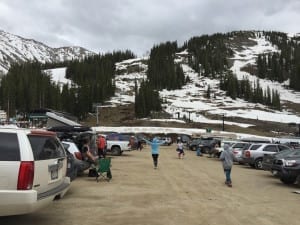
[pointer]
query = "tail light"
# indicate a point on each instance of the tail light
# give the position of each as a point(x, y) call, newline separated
point(26, 174)
point(247, 154)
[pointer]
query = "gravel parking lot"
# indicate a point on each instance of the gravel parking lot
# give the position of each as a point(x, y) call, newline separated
point(180, 191)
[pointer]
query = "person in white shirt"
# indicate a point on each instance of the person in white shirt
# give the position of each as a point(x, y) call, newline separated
point(180, 149)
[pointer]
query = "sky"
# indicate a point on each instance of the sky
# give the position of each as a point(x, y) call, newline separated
point(108, 25)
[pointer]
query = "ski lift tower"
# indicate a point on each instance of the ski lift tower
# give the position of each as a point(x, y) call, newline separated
point(97, 106)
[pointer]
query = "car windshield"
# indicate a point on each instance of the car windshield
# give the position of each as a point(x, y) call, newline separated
point(284, 153)
point(293, 153)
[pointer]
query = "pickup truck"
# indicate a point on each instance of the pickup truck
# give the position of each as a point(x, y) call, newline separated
point(117, 143)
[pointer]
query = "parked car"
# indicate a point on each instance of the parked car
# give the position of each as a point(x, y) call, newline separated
point(218, 150)
point(33, 165)
point(186, 139)
point(194, 144)
point(117, 143)
point(269, 159)
point(77, 134)
point(72, 168)
point(290, 168)
point(278, 162)
point(255, 153)
point(207, 144)
point(166, 140)
point(237, 150)
point(76, 167)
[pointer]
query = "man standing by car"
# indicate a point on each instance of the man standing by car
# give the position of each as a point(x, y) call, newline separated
point(227, 158)
point(101, 146)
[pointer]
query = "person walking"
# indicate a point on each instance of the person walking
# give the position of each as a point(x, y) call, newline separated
point(180, 150)
point(227, 158)
point(154, 149)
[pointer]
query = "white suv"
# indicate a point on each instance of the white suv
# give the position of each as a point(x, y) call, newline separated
point(33, 167)
point(253, 154)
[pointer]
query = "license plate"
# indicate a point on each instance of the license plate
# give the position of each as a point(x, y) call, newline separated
point(54, 174)
point(274, 172)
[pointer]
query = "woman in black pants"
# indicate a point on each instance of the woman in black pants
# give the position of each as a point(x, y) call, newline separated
point(154, 150)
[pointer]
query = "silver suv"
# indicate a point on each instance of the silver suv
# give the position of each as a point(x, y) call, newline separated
point(253, 155)
point(33, 167)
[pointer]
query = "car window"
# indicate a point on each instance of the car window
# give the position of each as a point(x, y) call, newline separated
point(9, 147)
point(247, 145)
point(66, 146)
point(254, 147)
point(270, 148)
point(45, 147)
point(283, 147)
point(113, 136)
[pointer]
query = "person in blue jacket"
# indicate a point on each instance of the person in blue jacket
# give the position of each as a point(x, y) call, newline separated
point(154, 150)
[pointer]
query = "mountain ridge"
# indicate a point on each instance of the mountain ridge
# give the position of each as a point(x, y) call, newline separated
point(16, 49)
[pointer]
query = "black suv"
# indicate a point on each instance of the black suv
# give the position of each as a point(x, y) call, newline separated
point(193, 145)
point(288, 168)
point(205, 144)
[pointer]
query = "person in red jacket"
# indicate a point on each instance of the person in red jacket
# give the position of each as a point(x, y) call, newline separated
point(101, 146)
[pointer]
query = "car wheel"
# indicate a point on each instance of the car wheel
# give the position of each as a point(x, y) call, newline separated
point(288, 180)
point(115, 150)
point(258, 164)
point(193, 148)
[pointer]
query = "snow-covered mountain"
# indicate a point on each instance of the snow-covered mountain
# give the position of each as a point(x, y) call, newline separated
point(14, 48)
point(191, 102)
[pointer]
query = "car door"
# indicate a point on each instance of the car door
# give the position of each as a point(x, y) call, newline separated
point(50, 163)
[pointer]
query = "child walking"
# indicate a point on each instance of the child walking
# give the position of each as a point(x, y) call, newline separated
point(227, 158)
point(180, 150)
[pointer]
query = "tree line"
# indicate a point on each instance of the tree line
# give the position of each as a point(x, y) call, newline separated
point(208, 54)
point(244, 89)
point(26, 86)
point(284, 64)
point(162, 73)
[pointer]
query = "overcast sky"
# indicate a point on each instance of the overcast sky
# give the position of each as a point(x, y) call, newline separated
point(107, 25)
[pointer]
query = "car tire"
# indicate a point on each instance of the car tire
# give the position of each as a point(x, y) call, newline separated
point(258, 164)
point(116, 150)
point(288, 180)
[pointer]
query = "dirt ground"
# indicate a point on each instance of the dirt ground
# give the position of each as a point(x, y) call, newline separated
point(181, 191)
